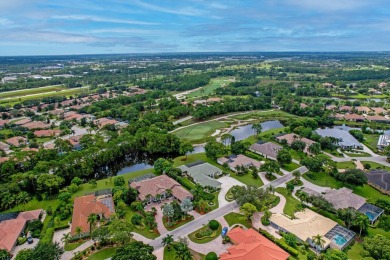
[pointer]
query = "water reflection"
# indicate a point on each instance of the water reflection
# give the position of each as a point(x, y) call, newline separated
point(244, 132)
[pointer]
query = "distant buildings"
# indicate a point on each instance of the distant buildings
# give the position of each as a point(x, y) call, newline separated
point(383, 141)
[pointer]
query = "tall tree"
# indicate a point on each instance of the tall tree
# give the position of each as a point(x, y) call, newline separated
point(167, 241)
point(135, 250)
point(257, 128)
point(318, 242)
point(185, 148)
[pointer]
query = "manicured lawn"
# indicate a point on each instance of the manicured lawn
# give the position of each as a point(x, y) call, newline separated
point(345, 165)
point(144, 232)
point(291, 166)
point(297, 155)
point(206, 239)
point(334, 153)
point(363, 154)
point(24, 92)
point(103, 254)
point(354, 252)
point(181, 223)
point(291, 202)
point(248, 179)
point(236, 218)
point(171, 254)
point(198, 133)
point(371, 141)
point(208, 89)
point(72, 246)
point(324, 180)
point(375, 165)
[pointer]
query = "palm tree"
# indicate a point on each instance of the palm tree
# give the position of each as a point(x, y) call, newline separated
point(167, 241)
point(362, 221)
point(66, 238)
point(271, 189)
point(92, 218)
point(78, 231)
point(318, 242)
point(183, 252)
point(303, 197)
point(297, 176)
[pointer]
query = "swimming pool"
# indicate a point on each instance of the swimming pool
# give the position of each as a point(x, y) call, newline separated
point(339, 240)
point(370, 215)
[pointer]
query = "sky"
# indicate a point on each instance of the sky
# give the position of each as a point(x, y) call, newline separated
point(43, 27)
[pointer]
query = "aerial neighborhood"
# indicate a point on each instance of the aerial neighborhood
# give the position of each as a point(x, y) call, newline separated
point(214, 156)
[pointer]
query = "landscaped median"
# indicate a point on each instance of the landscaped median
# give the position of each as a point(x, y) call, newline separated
point(206, 233)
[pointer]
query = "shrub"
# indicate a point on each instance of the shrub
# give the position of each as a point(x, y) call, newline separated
point(213, 224)
point(22, 240)
point(48, 237)
point(211, 256)
point(61, 227)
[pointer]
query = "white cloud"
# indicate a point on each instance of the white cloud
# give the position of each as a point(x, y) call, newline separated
point(331, 5)
point(100, 19)
point(188, 11)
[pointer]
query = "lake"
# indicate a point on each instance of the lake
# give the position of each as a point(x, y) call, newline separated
point(246, 131)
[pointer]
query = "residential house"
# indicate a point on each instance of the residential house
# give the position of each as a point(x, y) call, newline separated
point(347, 141)
point(250, 245)
point(290, 138)
point(75, 141)
point(202, 173)
point(3, 123)
point(16, 141)
point(268, 150)
point(354, 117)
point(363, 109)
point(331, 107)
point(13, 227)
point(345, 109)
point(383, 141)
point(379, 119)
point(379, 110)
point(84, 206)
point(47, 133)
point(239, 160)
point(5, 147)
point(101, 122)
point(155, 189)
point(307, 224)
point(379, 179)
point(36, 125)
point(22, 121)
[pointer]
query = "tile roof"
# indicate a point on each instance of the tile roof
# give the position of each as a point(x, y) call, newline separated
point(158, 185)
point(15, 141)
point(305, 225)
point(4, 146)
point(85, 206)
point(344, 198)
point(380, 178)
point(203, 173)
point(241, 160)
point(41, 133)
point(2, 122)
point(269, 149)
point(23, 121)
point(346, 138)
point(36, 125)
point(354, 117)
point(250, 245)
point(11, 229)
point(294, 137)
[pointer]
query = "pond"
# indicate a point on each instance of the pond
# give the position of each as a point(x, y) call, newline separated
point(246, 131)
point(346, 128)
point(198, 149)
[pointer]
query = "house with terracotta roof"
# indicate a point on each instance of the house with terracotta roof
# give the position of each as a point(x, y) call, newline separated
point(354, 117)
point(250, 245)
point(331, 107)
point(379, 110)
point(16, 141)
point(2, 123)
point(101, 122)
point(11, 229)
point(363, 109)
point(3, 159)
point(83, 207)
point(290, 138)
point(36, 125)
point(47, 133)
point(4, 147)
point(239, 160)
point(345, 108)
point(75, 141)
point(22, 121)
point(380, 119)
point(155, 189)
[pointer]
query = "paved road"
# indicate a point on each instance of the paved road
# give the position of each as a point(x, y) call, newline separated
point(203, 220)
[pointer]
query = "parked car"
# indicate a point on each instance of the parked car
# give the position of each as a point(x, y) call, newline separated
point(30, 240)
point(224, 231)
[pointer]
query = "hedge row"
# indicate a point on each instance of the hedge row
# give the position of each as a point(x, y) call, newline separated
point(48, 236)
point(292, 251)
point(61, 227)
point(184, 184)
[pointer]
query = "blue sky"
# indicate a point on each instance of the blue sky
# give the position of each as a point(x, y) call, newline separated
point(36, 27)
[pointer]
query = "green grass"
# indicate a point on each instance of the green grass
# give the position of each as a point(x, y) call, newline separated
point(198, 133)
point(291, 202)
point(236, 218)
point(296, 155)
point(103, 254)
point(346, 165)
point(72, 246)
point(375, 165)
point(371, 141)
point(144, 232)
point(181, 223)
point(31, 91)
point(248, 179)
point(291, 166)
point(354, 251)
point(171, 254)
point(208, 89)
point(265, 113)
point(363, 154)
point(206, 239)
point(334, 153)
point(324, 180)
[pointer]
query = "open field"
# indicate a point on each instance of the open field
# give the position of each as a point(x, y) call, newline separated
point(65, 92)
point(30, 91)
point(198, 133)
point(208, 89)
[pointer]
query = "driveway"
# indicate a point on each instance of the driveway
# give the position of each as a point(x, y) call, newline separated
point(312, 186)
point(227, 183)
point(59, 234)
point(279, 208)
point(26, 245)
